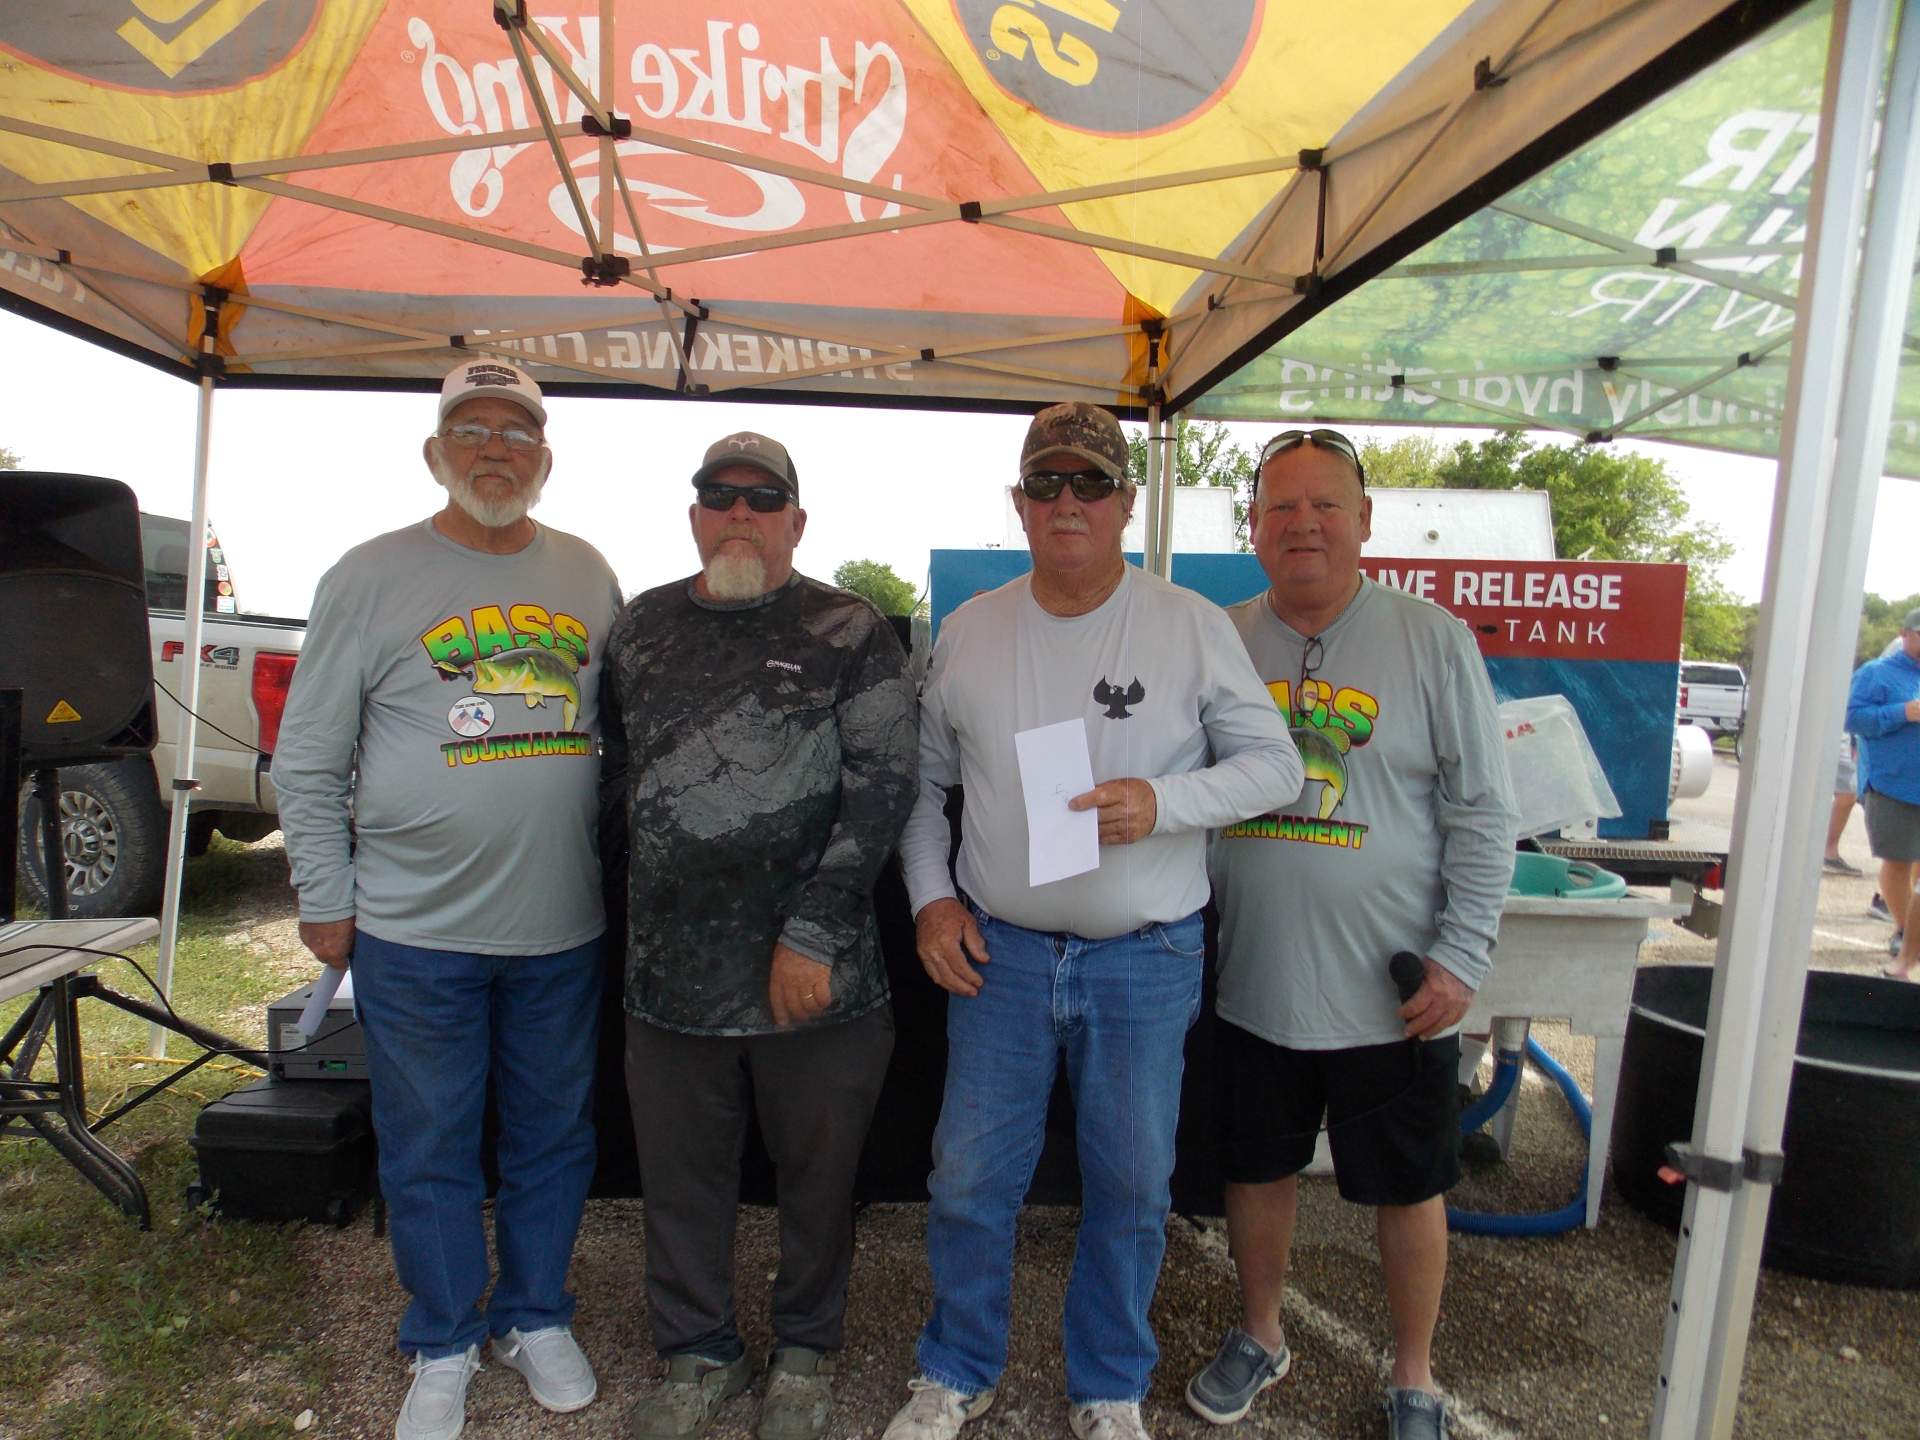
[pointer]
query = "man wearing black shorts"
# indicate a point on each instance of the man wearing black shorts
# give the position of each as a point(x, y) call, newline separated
point(1403, 842)
point(1883, 709)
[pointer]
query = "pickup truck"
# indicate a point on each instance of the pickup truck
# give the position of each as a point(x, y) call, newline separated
point(1713, 696)
point(113, 817)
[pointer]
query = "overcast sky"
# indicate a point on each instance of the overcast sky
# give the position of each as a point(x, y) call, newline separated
point(297, 477)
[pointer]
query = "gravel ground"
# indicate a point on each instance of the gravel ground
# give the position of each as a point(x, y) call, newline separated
point(1549, 1337)
point(1544, 1337)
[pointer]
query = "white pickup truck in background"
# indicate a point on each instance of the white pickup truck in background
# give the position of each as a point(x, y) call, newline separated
point(113, 818)
point(1713, 696)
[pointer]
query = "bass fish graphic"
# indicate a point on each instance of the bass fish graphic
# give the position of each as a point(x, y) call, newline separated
point(1324, 754)
point(533, 671)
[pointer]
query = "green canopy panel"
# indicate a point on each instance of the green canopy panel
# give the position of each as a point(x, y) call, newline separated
point(1645, 286)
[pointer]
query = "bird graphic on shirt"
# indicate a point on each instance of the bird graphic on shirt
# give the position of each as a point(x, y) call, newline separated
point(1117, 700)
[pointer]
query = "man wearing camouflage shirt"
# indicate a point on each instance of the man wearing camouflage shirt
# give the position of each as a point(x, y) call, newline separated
point(765, 736)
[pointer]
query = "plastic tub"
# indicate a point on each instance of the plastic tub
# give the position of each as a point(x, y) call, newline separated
point(1549, 876)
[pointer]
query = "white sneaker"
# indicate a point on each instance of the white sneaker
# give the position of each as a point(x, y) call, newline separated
point(935, 1412)
point(436, 1405)
point(557, 1373)
point(1107, 1420)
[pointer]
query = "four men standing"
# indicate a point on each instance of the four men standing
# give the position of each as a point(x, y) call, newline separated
point(760, 731)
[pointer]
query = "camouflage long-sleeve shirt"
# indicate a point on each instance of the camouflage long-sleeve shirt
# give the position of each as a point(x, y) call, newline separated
point(768, 753)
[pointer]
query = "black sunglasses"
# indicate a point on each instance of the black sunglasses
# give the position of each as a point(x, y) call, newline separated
point(1331, 439)
point(1310, 659)
point(767, 499)
point(1087, 485)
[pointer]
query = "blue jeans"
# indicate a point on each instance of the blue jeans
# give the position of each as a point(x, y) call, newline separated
point(438, 1024)
point(1117, 1011)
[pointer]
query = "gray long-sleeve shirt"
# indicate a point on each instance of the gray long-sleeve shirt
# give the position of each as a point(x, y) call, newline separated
point(1168, 696)
point(444, 714)
point(768, 751)
point(1402, 840)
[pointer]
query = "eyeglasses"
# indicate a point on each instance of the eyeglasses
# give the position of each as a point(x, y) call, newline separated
point(1331, 439)
point(1310, 659)
point(766, 499)
point(472, 437)
point(1088, 485)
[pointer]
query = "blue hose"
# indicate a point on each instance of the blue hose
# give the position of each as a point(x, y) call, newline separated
point(1547, 1222)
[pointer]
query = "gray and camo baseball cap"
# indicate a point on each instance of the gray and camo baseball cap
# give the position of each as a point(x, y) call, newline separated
point(1076, 428)
point(745, 447)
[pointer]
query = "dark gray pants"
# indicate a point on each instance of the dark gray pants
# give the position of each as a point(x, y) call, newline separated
point(814, 1091)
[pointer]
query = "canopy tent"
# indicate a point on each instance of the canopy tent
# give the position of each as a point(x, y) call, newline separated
point(969, 202)
point(957, 202)
point(1645, 286)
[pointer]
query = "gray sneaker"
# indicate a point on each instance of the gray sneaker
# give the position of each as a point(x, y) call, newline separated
point(799, 1394)
point(557, 1373)
point(1225, 1390)
point(1107, 1420)
point(1415, 1415)
point(436, 1403)
point(687, 1400)
point(935, 1412)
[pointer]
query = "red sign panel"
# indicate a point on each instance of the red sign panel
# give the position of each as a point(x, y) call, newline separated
point(1552, 609)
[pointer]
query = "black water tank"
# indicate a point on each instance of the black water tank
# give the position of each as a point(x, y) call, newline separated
point(1848, 1204)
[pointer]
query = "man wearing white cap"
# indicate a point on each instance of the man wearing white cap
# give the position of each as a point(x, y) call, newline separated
point(437, 772)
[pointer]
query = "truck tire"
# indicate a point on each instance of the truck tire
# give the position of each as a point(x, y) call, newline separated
point(115, 835)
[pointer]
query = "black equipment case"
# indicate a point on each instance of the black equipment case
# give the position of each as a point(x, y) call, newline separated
point(287, 1151)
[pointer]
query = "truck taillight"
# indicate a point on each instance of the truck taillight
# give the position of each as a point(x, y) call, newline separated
point(1683, 697)
point(272, 673)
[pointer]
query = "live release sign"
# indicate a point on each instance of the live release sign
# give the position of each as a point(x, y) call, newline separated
point(1552, 609)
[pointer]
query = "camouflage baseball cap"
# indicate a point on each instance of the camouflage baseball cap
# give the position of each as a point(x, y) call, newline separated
point(745, 447)
point(1076, 428)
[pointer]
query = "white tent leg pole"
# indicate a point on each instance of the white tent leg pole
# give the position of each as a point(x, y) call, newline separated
point(1768, 923)
point(1150, 532)
point(1169, 477)
point(189, 703)
point(1867, 391)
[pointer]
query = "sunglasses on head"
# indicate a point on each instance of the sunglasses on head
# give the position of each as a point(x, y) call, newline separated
point(1087, 485)
point(1331, 439)
point(767, 499)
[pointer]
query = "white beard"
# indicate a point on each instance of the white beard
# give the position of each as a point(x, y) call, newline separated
point(734, 575)
point(508, 510)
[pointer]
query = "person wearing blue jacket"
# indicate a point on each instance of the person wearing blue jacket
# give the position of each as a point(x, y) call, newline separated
point(1883, 709)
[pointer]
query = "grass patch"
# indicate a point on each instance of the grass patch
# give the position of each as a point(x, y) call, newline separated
point(185, 1330)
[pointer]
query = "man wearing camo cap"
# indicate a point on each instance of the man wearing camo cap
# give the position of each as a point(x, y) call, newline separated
point(764, 723)
point(1099, 970)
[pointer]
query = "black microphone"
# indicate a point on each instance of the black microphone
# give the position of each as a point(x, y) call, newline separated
point(1409, 973)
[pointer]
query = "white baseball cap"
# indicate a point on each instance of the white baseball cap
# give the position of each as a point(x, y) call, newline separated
point(485, 375)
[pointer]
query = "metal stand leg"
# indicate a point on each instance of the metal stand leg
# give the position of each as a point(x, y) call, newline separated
point(111, 1175)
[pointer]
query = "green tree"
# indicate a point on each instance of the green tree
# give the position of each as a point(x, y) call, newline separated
point(1607, 505)
point(8, 460)
point(875, 581)
point(1203, 454)
point(1879, 623)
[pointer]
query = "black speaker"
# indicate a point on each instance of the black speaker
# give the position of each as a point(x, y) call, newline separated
point(73, 609)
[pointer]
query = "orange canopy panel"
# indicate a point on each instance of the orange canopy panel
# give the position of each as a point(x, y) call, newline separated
point(944, 201)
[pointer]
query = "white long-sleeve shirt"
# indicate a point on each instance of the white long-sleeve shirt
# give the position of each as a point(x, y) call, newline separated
point(1203, 732)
